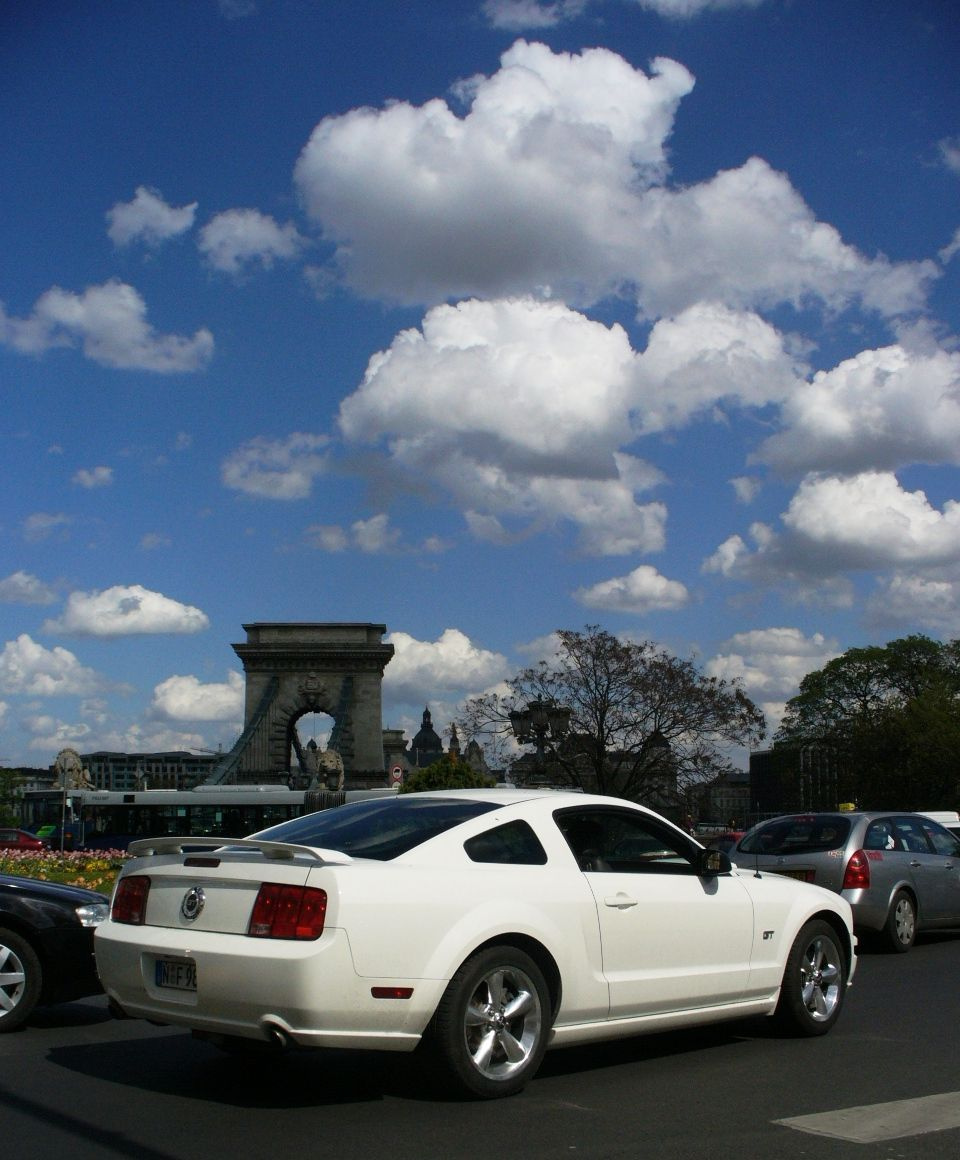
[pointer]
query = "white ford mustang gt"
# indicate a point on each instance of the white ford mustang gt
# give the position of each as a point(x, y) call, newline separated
point(489, 924)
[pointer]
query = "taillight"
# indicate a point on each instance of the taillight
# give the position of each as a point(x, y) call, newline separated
point(130, 900)
point(288, 912)
point(857, 874)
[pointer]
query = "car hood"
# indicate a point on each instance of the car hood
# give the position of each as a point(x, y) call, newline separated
point(36, 888)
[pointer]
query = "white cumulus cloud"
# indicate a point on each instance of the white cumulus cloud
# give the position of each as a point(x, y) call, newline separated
point(881, 409)
point(836, 524)
point(520, 15)
point(708, 357)
point(771, 663)
point(536, 185)
point(869, 520)
point(421, 669)
point(906, 599)
point(451, 403)
point(640, 591)
point(148, 218)
point(242, 237)
point(556, 176)
point(93, 477)
point(281, 469)
point(126, 610)
point(22, 588)
point(186, 698)
point(30, 669)
point(110, 323)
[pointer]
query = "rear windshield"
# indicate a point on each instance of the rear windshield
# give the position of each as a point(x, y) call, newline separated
point(797, 835)
point(384, 828)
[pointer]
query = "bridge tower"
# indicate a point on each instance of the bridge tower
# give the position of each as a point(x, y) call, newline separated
point(298, 668)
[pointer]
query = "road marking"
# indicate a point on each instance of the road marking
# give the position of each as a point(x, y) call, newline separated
point(874, 1122)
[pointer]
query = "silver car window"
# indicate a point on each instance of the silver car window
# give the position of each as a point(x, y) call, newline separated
point(798, 834)
point(912, 835)
point(881, 836)
point(942, 841)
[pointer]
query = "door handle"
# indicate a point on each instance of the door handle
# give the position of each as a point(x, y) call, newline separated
point(620, 901)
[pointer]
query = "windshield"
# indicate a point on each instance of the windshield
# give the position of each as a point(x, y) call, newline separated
point(384, 828)
point(807, 834)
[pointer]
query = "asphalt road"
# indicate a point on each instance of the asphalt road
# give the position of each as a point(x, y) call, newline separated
point(76, 1084)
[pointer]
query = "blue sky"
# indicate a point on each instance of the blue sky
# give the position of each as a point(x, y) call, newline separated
point(478, 320)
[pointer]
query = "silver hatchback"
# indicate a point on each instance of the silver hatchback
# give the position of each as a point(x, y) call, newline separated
point(900, 872)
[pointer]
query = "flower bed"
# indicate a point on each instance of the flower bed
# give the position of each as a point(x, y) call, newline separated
point(93, 869)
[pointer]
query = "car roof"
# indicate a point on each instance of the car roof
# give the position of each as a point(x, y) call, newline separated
point(516, 795)
point(867, 815)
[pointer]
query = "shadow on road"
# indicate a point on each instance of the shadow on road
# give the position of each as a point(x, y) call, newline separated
point(175, 1064)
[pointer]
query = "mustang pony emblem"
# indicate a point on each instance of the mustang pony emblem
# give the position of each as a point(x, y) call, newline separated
point(193, 902)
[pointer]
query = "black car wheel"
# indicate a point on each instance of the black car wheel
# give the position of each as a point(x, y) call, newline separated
point(21, 979)
point(490, 1029)
point(814, 981)
point(901, 928)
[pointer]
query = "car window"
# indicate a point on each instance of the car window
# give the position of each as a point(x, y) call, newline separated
point(942, 841)
point(380, 829)
point(514, 843)
point(880, 836)
point(621, 841)
point(799, 834)
point(910, 831)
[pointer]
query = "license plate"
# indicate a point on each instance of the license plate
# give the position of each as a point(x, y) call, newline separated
point(176, 974)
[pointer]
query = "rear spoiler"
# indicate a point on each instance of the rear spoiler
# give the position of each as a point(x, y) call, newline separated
point(143, 847)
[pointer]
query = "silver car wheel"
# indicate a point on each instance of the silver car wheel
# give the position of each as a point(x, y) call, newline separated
point(21, 980)
point(901, 925)
point(502, 1023)
point(490, 1029)
point(814, 981)
point(13, 980)
point(821, 978)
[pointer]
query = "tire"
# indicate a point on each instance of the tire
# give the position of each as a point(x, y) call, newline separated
point(900, 930)
point(814, 981)
point(490, 1029)
point(21, 980)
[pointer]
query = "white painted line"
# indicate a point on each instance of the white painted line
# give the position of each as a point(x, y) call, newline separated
point(874, 1122)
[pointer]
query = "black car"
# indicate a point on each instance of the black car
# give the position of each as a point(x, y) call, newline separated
point(46, 945)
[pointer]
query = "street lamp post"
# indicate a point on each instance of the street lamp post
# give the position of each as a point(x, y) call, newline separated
point(538, 721)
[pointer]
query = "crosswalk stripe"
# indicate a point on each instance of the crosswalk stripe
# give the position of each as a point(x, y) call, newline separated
point(874, 1122)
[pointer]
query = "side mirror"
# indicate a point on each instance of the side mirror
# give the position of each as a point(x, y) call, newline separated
point(712, 863)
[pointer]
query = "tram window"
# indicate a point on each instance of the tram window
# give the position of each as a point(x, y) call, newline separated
point(273, 814)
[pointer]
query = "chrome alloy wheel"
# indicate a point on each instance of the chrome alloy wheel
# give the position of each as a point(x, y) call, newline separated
point(13, 980)
point(502, 1024)
point(821, 978)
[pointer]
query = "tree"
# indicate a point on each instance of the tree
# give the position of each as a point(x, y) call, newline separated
point(10, 782)
point(445, 773)
point(891, 716)
point(641, 720)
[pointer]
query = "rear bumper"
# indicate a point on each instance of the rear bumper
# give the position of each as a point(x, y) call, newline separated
point(305, 993)
point(868, 913)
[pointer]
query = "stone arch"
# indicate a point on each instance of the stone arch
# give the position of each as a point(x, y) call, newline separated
point(297, 668)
